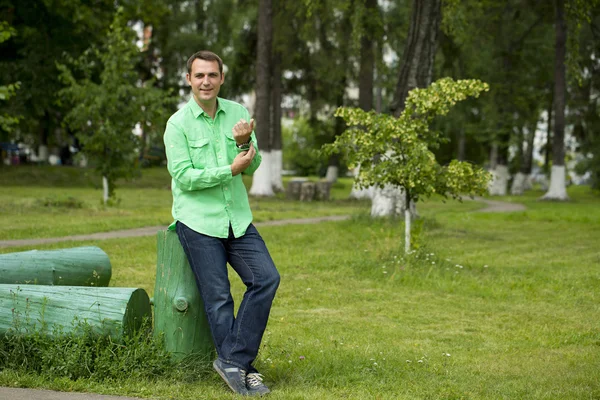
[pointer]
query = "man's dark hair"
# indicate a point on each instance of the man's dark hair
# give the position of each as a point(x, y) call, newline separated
point(206, 56)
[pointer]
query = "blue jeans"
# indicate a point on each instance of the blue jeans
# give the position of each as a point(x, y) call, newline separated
point(238, 338)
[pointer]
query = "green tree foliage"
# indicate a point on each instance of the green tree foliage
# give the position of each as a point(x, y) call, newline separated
point(46, 31)
point(585, 103)
point(106, 109)
point(403, 145)
point(7, 91)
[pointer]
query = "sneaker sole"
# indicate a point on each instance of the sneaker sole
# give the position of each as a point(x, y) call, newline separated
point(225, 378)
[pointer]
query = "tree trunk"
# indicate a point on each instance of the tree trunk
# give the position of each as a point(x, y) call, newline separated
point(367, 66)
point(461, 144)
point(419, 53)
point(548, 146)
point(43, 153)
point(558, 186)
point(105, 190)
point(416, 71)
point(407, 224)
point(365, 90)
point(262, 181)
point(519, 179)
point(200, 16)
point(52, 309)
point(528, 160)
point(79, 266)
point(276, 139)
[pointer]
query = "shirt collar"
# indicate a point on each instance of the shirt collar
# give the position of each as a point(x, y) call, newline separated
point(197, 110)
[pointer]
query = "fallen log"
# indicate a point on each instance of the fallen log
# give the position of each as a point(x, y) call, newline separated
point(56, 310)
point(79, 266)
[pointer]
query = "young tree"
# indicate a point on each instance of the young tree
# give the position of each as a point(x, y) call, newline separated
point(105, 110)
point(404, 145)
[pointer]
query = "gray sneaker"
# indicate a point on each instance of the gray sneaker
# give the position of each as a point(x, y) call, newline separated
point(255, 385)
point(233, 376)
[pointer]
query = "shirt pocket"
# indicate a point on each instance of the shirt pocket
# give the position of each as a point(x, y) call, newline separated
point(200, 152)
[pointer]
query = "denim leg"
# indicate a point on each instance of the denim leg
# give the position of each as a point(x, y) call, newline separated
point(237, 340)
point(249, 257)
point(208, 259)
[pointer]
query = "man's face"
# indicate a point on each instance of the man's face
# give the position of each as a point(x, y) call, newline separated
point(205, 80)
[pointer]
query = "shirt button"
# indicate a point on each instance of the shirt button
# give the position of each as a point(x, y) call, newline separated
point(225, 189)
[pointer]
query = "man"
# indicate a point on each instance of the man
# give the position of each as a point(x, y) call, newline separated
point(209, 144)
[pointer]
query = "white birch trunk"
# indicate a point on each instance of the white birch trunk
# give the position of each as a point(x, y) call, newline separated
point(407, 221)
point(332, 174)
point(358, 193)
point(401, 204)
point(528, 184)
point(498, 185)
point(261, 181)
point(104, 190)
point(385, 201)
point(518, 185)
point(558, 184)
point(390, 202)
point(276, 168)
point(43, 153)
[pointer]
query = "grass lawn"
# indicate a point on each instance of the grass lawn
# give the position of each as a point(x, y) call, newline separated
point(41, 202)
point(491, 306)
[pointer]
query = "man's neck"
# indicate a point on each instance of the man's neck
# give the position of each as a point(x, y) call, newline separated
point(209, 108)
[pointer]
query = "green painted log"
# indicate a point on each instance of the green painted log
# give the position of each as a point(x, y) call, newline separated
point(58, 309)
point(79, 266)
point(178, 309)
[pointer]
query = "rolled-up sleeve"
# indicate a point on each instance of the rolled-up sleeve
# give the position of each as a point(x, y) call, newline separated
point(181, 168)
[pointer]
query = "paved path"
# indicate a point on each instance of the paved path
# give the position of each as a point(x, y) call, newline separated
point(151, 231)
point(498, 206)
point(492, 206)
point(34, 394)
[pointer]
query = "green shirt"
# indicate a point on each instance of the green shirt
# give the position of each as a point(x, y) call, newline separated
point(200, 150)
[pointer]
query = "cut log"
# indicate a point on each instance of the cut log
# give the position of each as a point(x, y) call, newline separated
point(79, 266)
point(323, 190)
point(307, 191)
point(179, 314)
point(59, 309)
point(293, 188)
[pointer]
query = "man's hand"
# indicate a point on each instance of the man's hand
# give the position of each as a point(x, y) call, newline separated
point(242, 160)
point(242, 130)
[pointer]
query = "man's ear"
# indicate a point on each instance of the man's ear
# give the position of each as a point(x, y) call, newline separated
point(222, 78)
point(187, 78)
